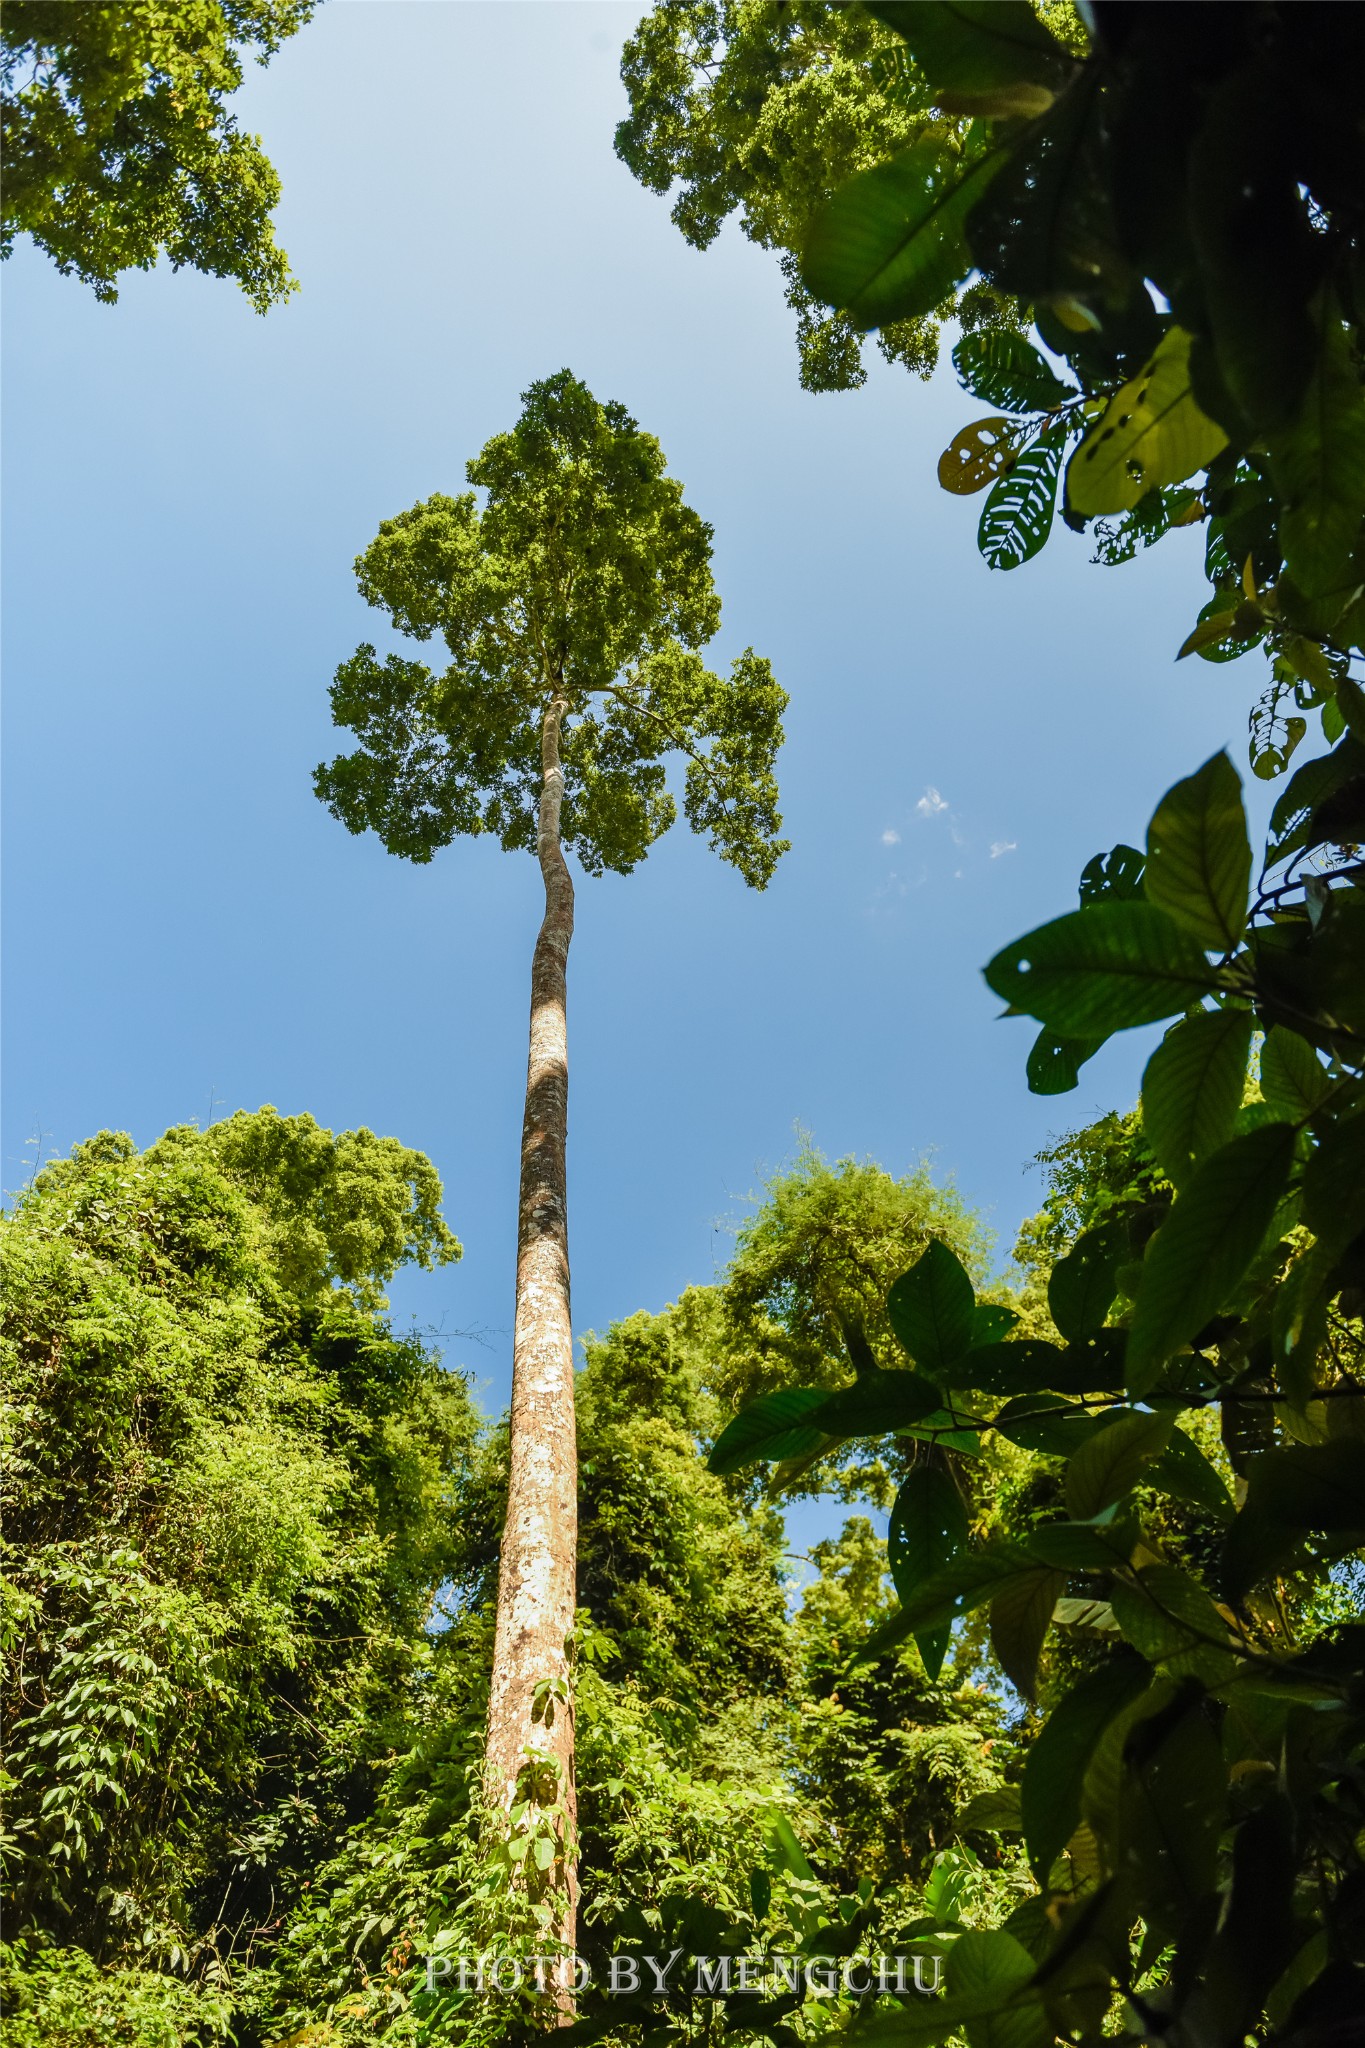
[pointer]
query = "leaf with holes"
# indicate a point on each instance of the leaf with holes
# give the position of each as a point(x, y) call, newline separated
point(1150, 433)
point(1054, 1063)
point(976, 456)
point(1017, 517)
point(1004, 369)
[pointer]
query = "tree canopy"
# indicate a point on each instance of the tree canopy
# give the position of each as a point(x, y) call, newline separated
point(118, 146)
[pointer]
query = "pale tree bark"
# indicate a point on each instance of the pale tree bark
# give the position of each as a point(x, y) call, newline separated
point(530, 1703)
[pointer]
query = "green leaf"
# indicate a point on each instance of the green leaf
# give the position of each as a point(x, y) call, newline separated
point(976, 46)
point(1318, 465)
point(1293, 1492)
point(1022, 1366)
point(1111, 1463)
point(1308, 789)
point(1205, 1245)
point(775, 1426)
point(1150, 433)
point(1116, 874)
point(1054, 1064)
point(1017, 516)
point(1082, 1286)
point(1020, 1613)
point(1105, 968)
point(1170, 1619)
point(1002, 368)
point(939, 1600)
point(993, 1813)
point(890, 244)
point(989, 1972)
point(1171, 1812)
point(1192, 1089)
point(1334, 1185)
point(1184, 1471)
point(1043, 1423)
point(1293, 1079)
point(1056, 1761)
point(928, 1529)
point(1351, 704)
point(875, 1403)
point(1094, 1546)
point(1199, 855)
point(931, 1309)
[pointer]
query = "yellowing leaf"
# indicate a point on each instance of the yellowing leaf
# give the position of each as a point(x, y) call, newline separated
point(977, 456)
point(1150, 433)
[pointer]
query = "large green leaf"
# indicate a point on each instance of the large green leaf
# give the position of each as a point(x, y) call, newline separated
point(976, 46)
point(1082, 1286)
point(1205, 1246)
point(1318, 465)
point(1111, 1463)
point(1170, 1619)
point(928, 1528)
point(775, 1426)
point(1043, 1423)
point(1334, 1184)
point(1022, 1365)
point(1171, 1812)
point(1016, 518)
point(889, 245)
point(1056, 1762)
point(1150, 433)
point(1199, 855)
point(876, 1402)
point(1184, 1471)
point(1020, 1613)
point(939, 1600)
point(1192, 1089)
point(931, 1309)
point(1307, 789)
point(1293, 1492)
point(1105, 968)
point(988, 1972)
point(1002, 368)
point(1293, 1079)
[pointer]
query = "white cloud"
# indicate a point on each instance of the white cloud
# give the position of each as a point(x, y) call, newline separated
point(999, 846)
point(931, 803)
point(891, 837)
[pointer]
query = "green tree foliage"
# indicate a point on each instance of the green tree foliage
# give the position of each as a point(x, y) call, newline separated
point(228, 1504)
point(118, 145)
point(583, 573)
point(762, 110)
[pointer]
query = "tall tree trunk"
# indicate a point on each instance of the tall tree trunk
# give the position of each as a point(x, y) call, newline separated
point(530, 1704)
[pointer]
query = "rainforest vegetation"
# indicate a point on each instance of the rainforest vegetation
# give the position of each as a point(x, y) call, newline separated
point(1088, 1725)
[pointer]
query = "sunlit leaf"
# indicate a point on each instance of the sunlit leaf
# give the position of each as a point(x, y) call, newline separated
point(1192, 1088)
point(1105, 968)
point(1199, 855)
point(1150, 433)
point(976, 456)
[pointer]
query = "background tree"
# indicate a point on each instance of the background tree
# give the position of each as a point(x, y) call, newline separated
point(572, 604)
point(118, 147)
point(762, 110)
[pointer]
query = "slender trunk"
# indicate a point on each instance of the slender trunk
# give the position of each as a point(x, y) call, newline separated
point(530, 1704)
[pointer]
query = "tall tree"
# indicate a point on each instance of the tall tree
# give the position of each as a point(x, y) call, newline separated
point(572, 603)
point(118, 147)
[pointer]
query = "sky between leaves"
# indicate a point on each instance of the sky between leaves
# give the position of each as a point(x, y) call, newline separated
point(188, 932)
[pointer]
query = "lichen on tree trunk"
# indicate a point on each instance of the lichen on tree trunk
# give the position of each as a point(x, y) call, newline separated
point(530, 1701)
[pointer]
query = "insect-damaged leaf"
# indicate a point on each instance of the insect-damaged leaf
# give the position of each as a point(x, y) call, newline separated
point(1017, 516)
point(976, 456)
point(1151, 432)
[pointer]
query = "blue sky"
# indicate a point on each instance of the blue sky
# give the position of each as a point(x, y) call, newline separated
point(187, 485)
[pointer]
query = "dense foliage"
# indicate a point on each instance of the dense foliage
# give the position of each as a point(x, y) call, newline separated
point(118, 146)
point(1182, 208)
